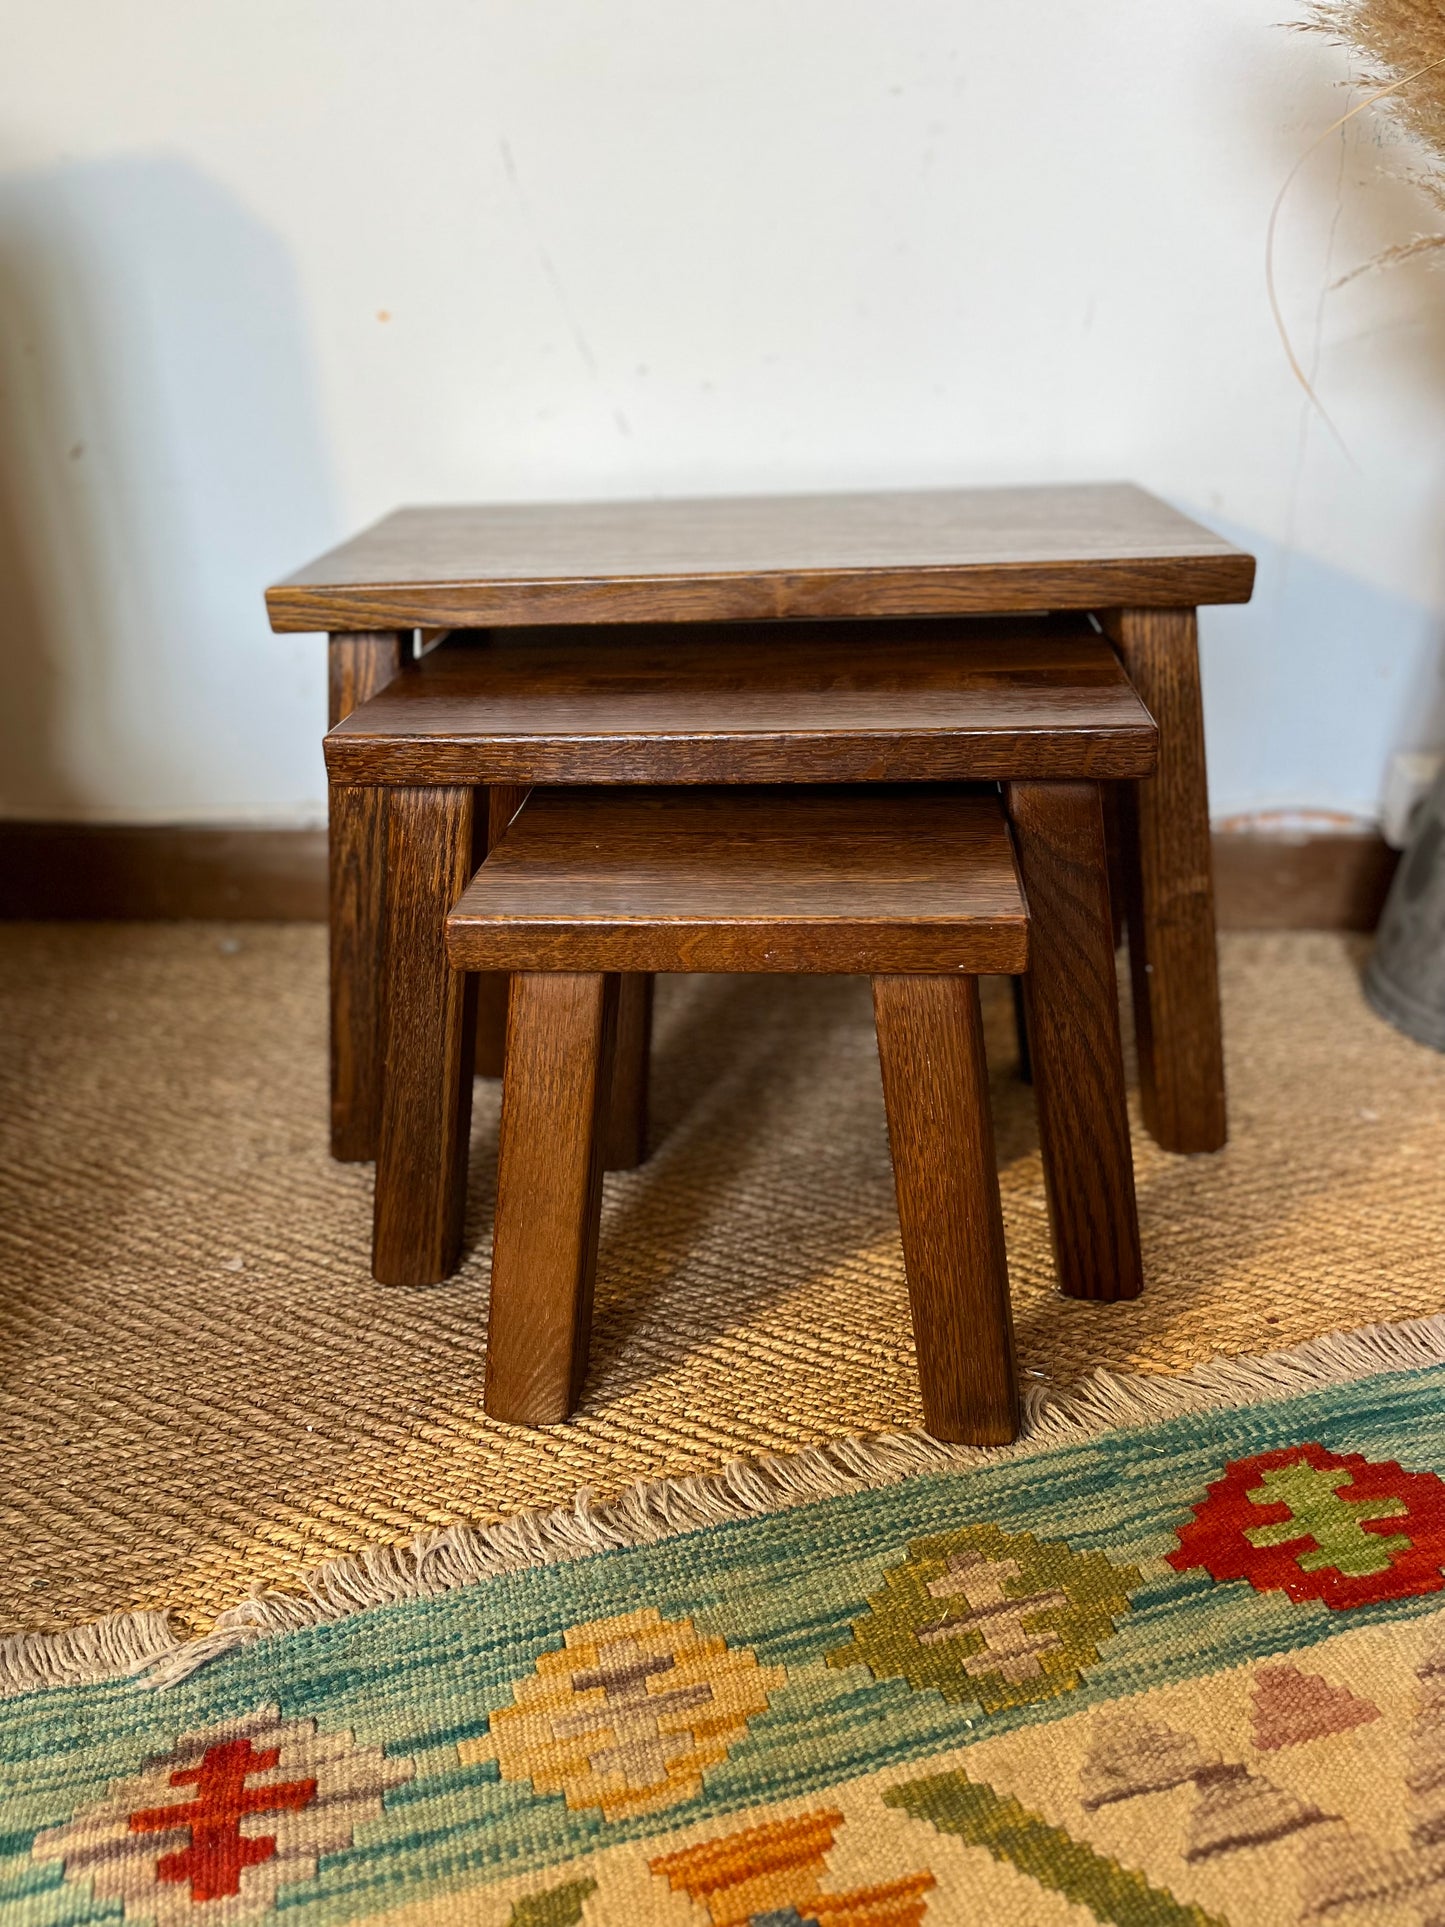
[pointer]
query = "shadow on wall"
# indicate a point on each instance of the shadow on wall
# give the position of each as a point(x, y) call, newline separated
point(1314, 725)
point(159, 459)
point(1314, 685)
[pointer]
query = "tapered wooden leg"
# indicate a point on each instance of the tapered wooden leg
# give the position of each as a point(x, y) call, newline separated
point(491, 1046)
point(356, 851)
point(359, 665)
point(560, 1029)
point(1072, 996)
point(427, 1024)
point(495, 809)
point(1170, 889)
point(624, 1141)
point(935, 1087)
point(1021, 1031)
point(1113, 796)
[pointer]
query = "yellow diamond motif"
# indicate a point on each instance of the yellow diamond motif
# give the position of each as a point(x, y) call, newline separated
point(627, 1714)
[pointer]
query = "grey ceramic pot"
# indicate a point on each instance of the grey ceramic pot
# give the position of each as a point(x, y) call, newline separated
point(1405, 980)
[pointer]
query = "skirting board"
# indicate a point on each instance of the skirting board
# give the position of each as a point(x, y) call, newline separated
point(54, 870)
point(162, 872)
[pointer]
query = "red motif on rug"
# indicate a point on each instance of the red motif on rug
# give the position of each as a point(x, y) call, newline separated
point(1315, 1524)
point(225, 1822)
point(218, 1852)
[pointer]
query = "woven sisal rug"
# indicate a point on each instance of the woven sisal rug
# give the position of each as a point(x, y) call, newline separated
point(203, 1395)
point(1176, 1659)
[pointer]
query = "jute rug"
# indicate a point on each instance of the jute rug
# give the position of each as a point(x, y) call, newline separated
point(202, 1394)
point(1186, 1673)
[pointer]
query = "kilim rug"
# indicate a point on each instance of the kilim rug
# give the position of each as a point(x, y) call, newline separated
point(1178, 1657)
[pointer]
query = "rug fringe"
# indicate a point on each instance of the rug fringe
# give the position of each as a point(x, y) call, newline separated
point(461, 1555)
point(117, 1647)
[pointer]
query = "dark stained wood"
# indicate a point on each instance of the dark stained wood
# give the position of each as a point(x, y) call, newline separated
point(492, 991)
point(496, 809)
point(357, 885)
point(829, 702)
point(358, 666)
point(625, 1132)
point(935, 1086)
point(625, 1129)
point(491, 1029)
point(429, 1043)
point(929, 552)
point(1021, 1032)
point(549, 1178)
point(808, 879)
point(1263, 880)
point(1170, 892)
point(1072, 1000)
point(503, 801)
point(1116, 798)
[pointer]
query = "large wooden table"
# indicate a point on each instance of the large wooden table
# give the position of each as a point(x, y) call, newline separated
point(1137, 565)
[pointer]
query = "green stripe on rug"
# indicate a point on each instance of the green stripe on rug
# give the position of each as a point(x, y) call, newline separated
point(976, 1813)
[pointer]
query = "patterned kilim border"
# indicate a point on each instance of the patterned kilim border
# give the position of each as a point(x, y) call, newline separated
point(1177, 1659)
point(125, 1645)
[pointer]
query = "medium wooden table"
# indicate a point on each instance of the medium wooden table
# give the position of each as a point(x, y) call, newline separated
point(1040, 704)
point(1110, 549)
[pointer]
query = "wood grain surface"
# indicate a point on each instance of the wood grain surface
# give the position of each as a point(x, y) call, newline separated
point(809, 879)
point(428, 1022)
point(929, 552)
point(935, 1088)
point(356, 886)
point(824, 702)
point(1170, 892)
point(1071, 995)
point(358, 666)
point(549, 1179)
point(494, 812)
point(624, 1135)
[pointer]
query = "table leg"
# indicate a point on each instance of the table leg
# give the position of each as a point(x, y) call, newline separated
point(624, 1134)
point(428, 1019)
point(1170, 889)
point(356, 857)
point(1072, 996)
point(935, 1089)
point(549, 1193)
point(503, 800)
point(359, 665)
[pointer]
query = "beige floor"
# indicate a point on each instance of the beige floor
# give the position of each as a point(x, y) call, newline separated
point(201, 1392)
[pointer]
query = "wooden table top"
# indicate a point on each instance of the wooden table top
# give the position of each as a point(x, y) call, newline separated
point(879, 879)
point(905, 701)
point(740, 558)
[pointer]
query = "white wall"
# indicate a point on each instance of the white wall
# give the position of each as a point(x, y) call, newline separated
point(270, 267)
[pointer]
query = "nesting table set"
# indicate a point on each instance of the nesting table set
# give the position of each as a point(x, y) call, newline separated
point(918, 736)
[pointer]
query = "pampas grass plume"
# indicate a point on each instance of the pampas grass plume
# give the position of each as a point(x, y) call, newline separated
point(1402, 45)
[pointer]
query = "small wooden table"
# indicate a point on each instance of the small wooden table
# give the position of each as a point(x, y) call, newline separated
point(916, 887)
point(1110, 549)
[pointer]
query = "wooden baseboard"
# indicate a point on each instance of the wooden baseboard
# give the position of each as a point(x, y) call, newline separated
point(165, 872)
point(70, 870)
point(1280, 881)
